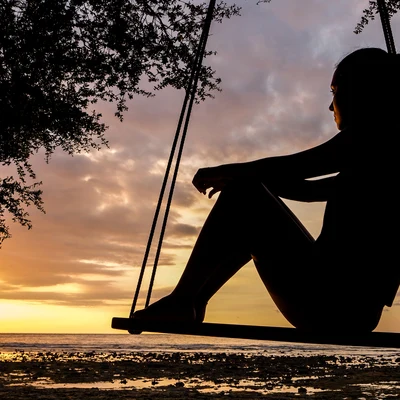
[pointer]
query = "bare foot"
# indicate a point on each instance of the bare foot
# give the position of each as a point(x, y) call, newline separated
point(168, 309)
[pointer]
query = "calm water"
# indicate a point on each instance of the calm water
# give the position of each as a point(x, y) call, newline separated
point(105, 343)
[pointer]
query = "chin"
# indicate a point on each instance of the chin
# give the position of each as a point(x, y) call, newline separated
point(341, 126)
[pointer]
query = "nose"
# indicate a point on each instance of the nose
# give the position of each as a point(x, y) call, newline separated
point(331, 106)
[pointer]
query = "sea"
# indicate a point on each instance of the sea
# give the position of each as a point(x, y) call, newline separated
point(167, 343)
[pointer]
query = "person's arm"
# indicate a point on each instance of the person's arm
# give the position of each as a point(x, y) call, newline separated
point(281, 171)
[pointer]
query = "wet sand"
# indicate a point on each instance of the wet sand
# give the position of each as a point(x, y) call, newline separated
point(185, 375)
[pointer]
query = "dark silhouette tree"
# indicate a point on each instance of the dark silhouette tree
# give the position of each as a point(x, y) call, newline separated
point(59, 57)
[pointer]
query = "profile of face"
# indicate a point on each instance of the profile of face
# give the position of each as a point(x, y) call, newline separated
point(339, 105)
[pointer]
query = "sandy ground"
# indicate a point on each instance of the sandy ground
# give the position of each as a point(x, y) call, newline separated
point(184, 375)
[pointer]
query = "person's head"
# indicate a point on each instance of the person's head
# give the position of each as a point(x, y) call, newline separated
point(365, 86)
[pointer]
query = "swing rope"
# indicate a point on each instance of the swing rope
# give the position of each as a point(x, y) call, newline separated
point(186, 109)
point(387, 30)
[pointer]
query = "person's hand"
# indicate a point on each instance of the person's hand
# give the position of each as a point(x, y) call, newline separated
point(215, 178)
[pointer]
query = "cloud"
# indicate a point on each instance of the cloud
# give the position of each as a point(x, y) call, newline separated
point(90, 294)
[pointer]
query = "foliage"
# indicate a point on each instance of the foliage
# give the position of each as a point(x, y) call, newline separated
point(59, 57)
point(369, 13)
point(13, 196)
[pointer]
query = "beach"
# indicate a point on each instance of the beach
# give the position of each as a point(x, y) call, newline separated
point(198, 375)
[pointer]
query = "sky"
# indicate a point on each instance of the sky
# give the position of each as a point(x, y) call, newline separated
point(78, 267)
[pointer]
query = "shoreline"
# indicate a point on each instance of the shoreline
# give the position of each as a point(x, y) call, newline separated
point(181, 375)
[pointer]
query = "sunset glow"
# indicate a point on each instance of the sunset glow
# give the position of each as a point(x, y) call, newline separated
point(78, 267)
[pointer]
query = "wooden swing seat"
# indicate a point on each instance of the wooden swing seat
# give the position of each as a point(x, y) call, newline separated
point(373, 339)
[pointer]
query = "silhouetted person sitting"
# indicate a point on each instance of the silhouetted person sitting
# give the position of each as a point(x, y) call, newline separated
point(342, 280)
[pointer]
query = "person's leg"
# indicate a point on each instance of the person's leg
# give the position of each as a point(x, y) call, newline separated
point(271, 230)
point(246, 219)
point(323, 292)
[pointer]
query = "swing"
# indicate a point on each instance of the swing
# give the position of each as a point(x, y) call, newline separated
point(282, 334)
